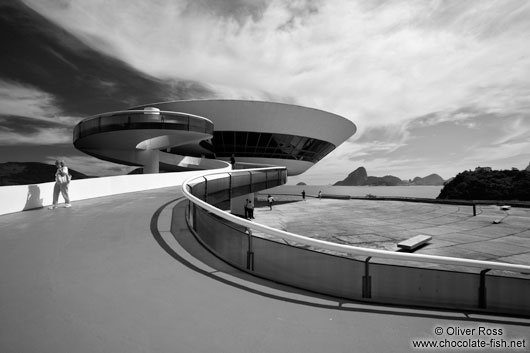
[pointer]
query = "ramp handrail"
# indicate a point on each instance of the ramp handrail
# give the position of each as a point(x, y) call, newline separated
point(348, 249)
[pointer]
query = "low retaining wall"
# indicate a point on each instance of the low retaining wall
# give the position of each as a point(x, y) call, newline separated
point(18, 198)
point(354, 279)
point(356, 273)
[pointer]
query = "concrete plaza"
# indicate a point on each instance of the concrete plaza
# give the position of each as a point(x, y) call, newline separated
point(108, 276)
point(383, 224)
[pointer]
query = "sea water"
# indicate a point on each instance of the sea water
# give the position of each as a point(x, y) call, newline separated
point(430, 192)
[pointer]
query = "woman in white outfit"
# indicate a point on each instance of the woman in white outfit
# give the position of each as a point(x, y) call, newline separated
point(62, 179)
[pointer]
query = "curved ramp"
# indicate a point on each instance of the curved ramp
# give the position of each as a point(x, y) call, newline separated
point(108, 276)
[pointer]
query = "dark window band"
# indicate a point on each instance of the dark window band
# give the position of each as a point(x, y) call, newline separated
point(269, 145)
point(140, 120)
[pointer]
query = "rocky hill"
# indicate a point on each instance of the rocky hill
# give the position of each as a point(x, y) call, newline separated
point(433, 179)
point(355, 178)
point(25, 173)
point(387, 180)
point(489, 185)
point(359, 177)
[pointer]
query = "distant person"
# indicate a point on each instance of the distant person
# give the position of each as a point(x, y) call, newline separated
point(62, 180)
point(270, 200)
point(320, 195)
point(250, 207)
point(246, 208)
point(303, 195)
point(233, 161)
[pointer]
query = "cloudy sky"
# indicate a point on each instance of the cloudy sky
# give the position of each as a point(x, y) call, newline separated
point(433, 86)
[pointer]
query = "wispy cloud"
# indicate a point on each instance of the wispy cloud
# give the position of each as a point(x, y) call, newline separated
point(42, 136)
point(24, 100)
point(515, 130)
point(377, 66)
point(392, 66)
point(31, 116)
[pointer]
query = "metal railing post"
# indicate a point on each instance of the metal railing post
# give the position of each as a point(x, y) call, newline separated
point(194, 216)
point(205, 189)
point(482, 294)
point(250, 252)
point(230, 186)
point(367, 279)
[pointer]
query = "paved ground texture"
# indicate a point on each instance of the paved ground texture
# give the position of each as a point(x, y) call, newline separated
point(382, 224)
point(107, 276)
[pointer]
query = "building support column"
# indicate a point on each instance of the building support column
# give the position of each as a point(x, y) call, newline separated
point(150, 160)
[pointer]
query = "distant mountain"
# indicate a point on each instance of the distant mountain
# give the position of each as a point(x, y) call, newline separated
point(25, 173)
point(433, 179)
point(448, 180)
point(387, 180)
point(528, 168)
point(355, 178)
point(301, 183)
point(359, 177)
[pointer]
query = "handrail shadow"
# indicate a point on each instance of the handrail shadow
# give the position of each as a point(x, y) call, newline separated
point(246, 281)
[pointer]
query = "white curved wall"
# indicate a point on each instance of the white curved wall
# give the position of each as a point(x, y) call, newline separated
point(18, 198)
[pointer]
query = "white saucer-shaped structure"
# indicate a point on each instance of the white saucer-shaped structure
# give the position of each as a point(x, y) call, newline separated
point(140, 137)
point(258, 132)
point(175, 135)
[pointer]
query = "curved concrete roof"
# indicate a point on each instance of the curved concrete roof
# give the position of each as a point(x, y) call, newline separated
point(260, 116)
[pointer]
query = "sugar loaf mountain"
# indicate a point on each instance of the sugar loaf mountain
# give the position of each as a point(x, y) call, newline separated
point(359, 177)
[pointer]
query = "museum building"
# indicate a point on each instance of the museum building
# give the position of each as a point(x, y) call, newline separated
point(193, 134)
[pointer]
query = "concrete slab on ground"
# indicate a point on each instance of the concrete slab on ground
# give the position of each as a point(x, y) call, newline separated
point(454, 229)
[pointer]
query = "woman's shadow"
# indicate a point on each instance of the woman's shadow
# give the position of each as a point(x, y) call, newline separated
point(33, 199)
